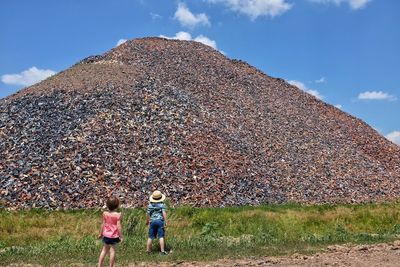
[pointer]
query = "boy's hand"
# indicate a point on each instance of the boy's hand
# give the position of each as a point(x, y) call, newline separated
point(121, 238)
point(99, 236)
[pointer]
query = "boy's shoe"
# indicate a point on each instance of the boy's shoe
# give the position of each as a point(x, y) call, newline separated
point(148, 252)
point(163, 253)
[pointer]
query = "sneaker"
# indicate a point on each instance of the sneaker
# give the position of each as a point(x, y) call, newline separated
point(163, 253)
point(148, 252)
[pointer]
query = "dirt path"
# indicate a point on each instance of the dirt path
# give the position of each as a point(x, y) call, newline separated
point(382, 255)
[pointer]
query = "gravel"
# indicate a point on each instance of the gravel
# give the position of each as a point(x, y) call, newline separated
point(183, 118)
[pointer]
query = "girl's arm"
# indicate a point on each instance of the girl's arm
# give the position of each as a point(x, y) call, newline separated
point(121, 237)
point(101, 229)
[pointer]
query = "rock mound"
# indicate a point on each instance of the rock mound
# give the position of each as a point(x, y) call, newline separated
point(183, 118)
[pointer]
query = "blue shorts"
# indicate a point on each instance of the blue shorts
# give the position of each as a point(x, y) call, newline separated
point(111, 241)
point(156, 229)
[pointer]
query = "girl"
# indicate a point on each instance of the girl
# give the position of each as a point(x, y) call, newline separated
point(110, 231)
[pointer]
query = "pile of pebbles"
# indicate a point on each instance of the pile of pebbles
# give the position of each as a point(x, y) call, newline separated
point(181, 117)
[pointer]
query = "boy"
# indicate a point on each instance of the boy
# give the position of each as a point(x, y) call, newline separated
point(157, 218)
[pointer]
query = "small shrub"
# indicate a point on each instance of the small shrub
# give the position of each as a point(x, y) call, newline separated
point(133, 222)
point(210, 229)
point(313, 238)
point(185, 211)
point(341, 232)
point(396, 229)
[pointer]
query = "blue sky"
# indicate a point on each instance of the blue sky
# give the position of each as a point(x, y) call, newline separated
point(345, 52)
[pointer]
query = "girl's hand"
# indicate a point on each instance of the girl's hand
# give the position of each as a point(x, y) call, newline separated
point(99, 236)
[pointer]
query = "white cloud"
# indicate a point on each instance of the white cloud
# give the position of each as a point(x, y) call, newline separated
point(315, 93)
point(303, 87)
point(182, 36)
point(394, 137)
point(188, 19)
point(298, 84)
point(256, 8)
point(185, 36)
point(27, 77)
point(321, 80)
point(374, 95)
point(205, 40)
point(379, 130)
point(354, 4)
point(338, 106)
point(358, 4)
point(120, 42)
point(188, 37)
point(155, 15)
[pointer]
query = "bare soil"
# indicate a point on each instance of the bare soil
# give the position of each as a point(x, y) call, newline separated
point(387, 255)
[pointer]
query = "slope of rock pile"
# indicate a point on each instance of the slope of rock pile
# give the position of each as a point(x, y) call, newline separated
point(181, 117)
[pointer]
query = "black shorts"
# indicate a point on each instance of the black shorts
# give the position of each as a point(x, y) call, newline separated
point(111, 241)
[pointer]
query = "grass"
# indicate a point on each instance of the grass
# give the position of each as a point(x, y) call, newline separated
point(51, 237)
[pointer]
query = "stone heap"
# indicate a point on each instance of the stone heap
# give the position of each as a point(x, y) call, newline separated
point(183, 118)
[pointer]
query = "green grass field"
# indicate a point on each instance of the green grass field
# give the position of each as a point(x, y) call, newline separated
point(66, 237)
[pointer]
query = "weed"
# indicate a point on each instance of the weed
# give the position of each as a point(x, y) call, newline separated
point(396, 229)
point(210, 229)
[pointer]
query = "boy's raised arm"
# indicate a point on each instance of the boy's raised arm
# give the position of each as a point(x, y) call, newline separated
point(164, 214)
point(147, 219)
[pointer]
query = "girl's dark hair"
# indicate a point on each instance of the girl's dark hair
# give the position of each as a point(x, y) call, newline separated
point(112, 203)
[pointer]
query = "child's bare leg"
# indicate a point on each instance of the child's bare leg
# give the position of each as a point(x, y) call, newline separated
point(162, 244)
point(149, 243)
point(104, 252)
point(112, 255)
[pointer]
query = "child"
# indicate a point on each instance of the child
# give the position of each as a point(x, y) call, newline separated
point(110, 231)
point(157, 218)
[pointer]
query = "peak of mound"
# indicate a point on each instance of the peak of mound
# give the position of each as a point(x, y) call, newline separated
point(133, 51)
point(181, 117)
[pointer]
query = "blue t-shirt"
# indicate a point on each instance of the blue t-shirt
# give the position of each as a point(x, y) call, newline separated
point(154, 210)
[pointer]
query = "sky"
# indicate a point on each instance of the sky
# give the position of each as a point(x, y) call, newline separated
point(344, 52)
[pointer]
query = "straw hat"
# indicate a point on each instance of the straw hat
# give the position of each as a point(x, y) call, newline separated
point(157, 196)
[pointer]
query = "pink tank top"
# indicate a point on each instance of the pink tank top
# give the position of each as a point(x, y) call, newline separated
point(110, 228)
